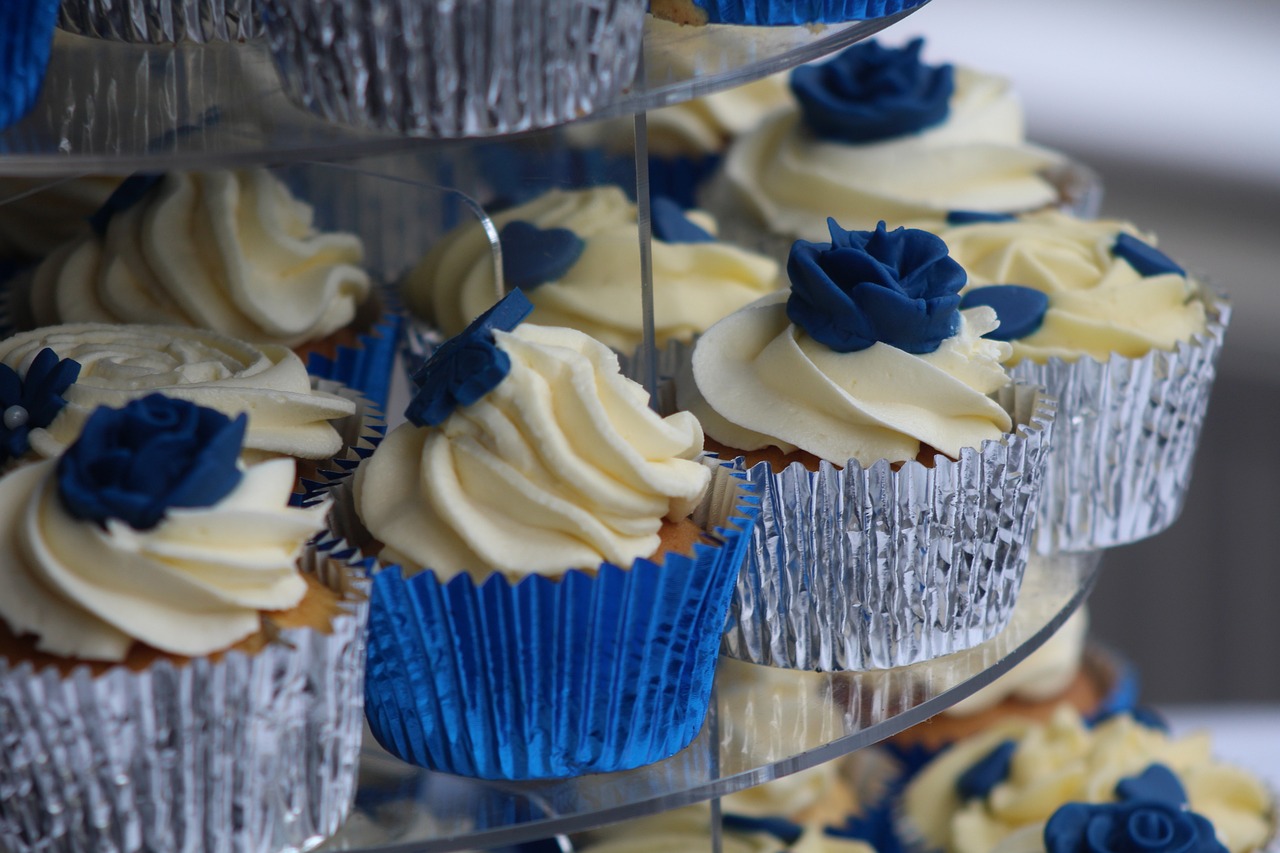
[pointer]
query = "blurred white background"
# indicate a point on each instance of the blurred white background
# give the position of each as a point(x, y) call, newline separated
point(1177, 105)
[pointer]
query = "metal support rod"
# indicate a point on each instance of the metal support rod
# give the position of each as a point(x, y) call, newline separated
point(648, 347)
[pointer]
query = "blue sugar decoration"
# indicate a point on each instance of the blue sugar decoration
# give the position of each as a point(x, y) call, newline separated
point(970, 217)
point(33, 401)
point(670, 225)
point(1145, 258)
point(978, 780)
point(532, 256)
point(1021, 309)
point(1157, 783)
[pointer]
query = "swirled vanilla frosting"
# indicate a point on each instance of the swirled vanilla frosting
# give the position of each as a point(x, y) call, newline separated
point(122, 363)
point(1099, 303)
point(695, 284)
point(562, 465)
point(193, 585)
point(977, 159)
point(234, 252)
point(757, 380)
point(1064, 761)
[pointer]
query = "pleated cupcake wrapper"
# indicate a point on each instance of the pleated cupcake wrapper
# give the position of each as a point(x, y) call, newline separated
point(26, 37)
point(439, 68)
point(1080, 192)
point(367, 367)
point(552, 677)
point(163, 21)
point(361, 433)
point(1125, 439)
point(870, 568)
point(246, 752)
point(799, 12)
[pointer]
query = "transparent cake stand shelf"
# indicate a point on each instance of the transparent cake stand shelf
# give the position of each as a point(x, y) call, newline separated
point(766, 723)
point(117, 108)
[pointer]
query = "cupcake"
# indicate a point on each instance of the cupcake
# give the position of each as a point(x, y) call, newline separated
point(775, 12)
point(1064, 787)
point(1126, 340)
point(26, 36)
point(538, 524)
point(454, 69)
point(898, 465)
point(878, 134)
point(233, 252)
point(163, 21)
point(172, 679)
point(690, 829)
point(287, 417)
point(576, 257)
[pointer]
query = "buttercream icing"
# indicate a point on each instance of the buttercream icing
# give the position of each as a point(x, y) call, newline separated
point(192, 585)
point(695, 284)
point(125, 362)
point(562, 465)
point(976, 159)
point(1045, 673)
point(1064, 761)
point(1099, 303)
point(757, 380)
point(230, 251)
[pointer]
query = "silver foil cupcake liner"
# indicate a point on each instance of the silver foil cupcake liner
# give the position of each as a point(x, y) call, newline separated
point(163, 21)
point(1125, 439)
point(870, 568)
point(454, 68)
point(1080, 192)
point(234, 753)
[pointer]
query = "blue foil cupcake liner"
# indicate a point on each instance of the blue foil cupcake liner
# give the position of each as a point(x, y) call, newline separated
point(551, 678)
point(366, 367)
point(26, 38)
point(774, 13)
point(230, 752)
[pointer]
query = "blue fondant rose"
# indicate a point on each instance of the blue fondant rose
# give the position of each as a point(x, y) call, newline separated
point(135, 463)
point(467, 366)
point(1136, 826)
point(870, 92)
point(34, 401)
point(897, 287)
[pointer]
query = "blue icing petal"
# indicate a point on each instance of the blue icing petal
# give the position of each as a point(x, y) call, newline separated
point(1146, 259)
point(670, 225)
point(969, 217)
point(532, 256)
point(131, 191)
point(467, 366)
point(32, 402)
point(895, 287)
point(780, 828)
point(1021, 309)
point(978, 780)
point(1156, 783)
point(869, 93)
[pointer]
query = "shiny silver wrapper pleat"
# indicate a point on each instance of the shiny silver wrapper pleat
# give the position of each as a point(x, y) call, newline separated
point(163, 21)
point(455, 68)
point(1125, 439)
point(870, 568)
point(244, 753)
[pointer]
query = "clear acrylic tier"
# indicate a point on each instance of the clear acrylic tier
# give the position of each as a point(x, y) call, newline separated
point(110, 107)
point(765, 723)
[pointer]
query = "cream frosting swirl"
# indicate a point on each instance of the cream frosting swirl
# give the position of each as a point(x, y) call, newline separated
point(695, 284)
point(191, 586)
point(1046, 672)
point(975, 160)
point(230, 251)
point(1064, 761)
point(122, 363)
point(756, 380)
point(1098, 303)
point(563, 465)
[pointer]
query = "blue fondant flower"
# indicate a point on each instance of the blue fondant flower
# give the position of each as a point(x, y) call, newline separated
point(33, 402)
point(135, 463)
point(532, 256)
point(467, 366)
point(898, 287)
point(1020, 309)
point(991, 770)
point(870, 92)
